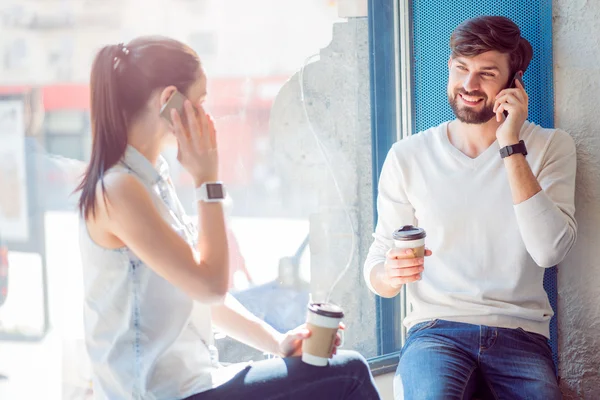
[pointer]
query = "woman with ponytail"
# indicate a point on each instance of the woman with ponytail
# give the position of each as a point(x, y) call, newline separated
point(146, 268)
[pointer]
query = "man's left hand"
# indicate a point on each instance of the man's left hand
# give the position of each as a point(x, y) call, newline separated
point(290, 343)
point(516, 103)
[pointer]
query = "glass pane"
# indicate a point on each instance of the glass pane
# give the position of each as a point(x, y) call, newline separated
point(288, 87)
point(66, 122)
point(66, 146)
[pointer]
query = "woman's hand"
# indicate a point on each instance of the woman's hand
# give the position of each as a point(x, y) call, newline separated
point(197, 143)
point(290, 344)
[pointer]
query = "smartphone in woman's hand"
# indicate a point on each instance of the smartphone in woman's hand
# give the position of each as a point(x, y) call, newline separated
point(175, 102)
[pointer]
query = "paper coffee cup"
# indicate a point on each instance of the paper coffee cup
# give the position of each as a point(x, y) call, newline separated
point(410, 237)
point(323, 322)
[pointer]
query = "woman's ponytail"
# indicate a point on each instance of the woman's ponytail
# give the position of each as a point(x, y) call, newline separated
point(109, 126)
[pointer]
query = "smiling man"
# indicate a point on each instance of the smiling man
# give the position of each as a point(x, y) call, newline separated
point(495, 195)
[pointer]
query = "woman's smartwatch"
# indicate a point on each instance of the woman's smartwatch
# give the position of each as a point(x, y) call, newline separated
point(210, 192)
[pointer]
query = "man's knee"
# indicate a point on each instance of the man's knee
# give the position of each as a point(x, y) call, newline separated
point(427, 387)
point(430, 369)
point(546, 389)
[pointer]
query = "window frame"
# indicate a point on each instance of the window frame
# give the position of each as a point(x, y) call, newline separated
point(390, 45)
point(36, 240)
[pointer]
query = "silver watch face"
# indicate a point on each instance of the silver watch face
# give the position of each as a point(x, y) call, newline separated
point(214, 191)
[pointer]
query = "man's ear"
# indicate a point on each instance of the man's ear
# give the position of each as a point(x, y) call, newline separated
point(166, 94)
point(449, 62)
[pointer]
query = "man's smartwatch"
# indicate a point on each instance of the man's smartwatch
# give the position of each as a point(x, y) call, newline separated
point(210, 192)
point(518, 148)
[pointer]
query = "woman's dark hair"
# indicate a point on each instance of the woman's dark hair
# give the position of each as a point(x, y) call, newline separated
point(122, 81)
point(482, 34)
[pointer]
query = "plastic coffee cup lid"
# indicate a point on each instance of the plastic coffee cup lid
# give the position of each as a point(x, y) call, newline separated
point(326, 310)
point(409, 232)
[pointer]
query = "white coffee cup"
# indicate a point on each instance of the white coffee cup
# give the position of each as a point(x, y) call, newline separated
point(410, 237)
point(323, 322)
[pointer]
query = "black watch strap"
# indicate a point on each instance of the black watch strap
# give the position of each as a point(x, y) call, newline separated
point(518, 148)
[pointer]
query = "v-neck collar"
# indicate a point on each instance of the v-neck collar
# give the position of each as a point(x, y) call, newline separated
point(462, 157)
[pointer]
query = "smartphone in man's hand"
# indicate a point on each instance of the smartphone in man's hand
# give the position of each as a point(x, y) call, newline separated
point(513, 84)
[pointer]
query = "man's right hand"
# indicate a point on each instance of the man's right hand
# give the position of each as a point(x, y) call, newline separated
point(401, 266)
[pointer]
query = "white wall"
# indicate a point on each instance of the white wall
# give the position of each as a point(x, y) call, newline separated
point(577, 92)
point(385, 385)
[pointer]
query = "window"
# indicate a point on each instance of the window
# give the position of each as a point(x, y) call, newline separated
point(391, 98)
point(290, 92)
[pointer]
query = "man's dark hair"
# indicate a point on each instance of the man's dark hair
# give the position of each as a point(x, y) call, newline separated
point(487, 33)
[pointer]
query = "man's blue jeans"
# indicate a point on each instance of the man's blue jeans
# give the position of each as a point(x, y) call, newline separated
point(451, 360)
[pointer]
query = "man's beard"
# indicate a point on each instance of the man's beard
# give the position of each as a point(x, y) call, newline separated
point(467, 114)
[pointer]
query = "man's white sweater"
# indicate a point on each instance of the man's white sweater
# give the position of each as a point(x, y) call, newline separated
point(489, 255)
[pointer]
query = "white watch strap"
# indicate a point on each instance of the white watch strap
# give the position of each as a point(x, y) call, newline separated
point(218, 191)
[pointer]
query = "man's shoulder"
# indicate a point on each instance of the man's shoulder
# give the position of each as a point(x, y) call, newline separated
point(537, 137)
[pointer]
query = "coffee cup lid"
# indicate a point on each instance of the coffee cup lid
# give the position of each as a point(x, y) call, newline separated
point(326, 309)
point(409, 232)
